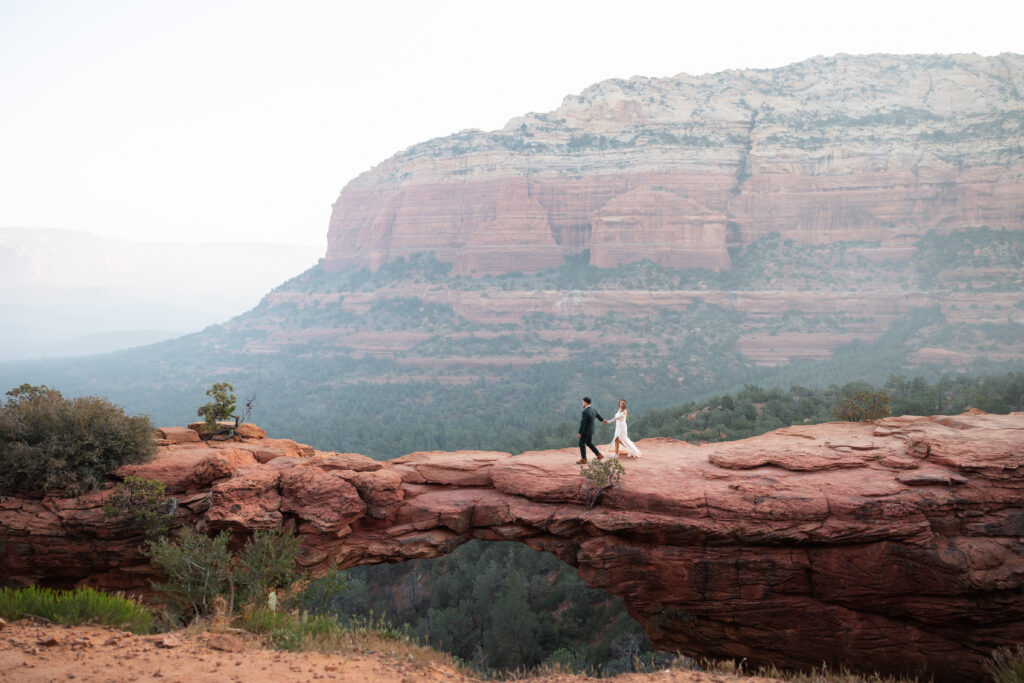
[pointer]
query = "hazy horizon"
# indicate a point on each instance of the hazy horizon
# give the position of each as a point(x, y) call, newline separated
point(241, 122)
point(70, 293)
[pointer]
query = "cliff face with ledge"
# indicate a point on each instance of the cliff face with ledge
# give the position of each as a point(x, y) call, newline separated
point(894, 546)
point(876, 147)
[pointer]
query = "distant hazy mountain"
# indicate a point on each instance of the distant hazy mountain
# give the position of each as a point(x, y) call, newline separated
point(66, 293)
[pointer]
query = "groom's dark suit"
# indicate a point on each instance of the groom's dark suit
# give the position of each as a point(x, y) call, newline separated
point(587, 431)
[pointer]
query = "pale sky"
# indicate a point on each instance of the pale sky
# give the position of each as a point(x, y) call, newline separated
point(241, 120)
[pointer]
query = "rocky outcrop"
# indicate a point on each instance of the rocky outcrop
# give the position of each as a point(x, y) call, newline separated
point(876, 147)
point(894, 546)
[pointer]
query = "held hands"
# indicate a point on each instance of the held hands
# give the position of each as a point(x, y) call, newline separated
point(579, 436)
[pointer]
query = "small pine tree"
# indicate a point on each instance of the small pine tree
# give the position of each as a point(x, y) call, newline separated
point(220, 408)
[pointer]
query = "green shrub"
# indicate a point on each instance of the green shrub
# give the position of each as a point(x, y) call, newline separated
point(318, 593)
point(266, 561)
point(200, 568)
point(291, 631)
point(861, 406)
point(79, 606)
point(303, 631)
point(49, 442)
point(144, 502)
point(197, 567)
point(1006, 665)
point(600, 475)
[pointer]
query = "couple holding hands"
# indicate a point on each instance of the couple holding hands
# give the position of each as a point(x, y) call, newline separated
point(586, 432)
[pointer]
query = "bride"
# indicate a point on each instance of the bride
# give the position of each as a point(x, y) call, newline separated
point(622, 434)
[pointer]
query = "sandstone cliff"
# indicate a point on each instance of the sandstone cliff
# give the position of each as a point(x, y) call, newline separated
point(893, 546)
point(877, 147)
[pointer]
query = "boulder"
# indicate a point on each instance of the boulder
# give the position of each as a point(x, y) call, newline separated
point(323, 499)
point(249, 500)
point(187, 468)
point(174, 435)
point(244, 430)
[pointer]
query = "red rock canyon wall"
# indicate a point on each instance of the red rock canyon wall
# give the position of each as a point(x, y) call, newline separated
point(875, 147)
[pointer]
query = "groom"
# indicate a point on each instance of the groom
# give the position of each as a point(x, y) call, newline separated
point(586, 435)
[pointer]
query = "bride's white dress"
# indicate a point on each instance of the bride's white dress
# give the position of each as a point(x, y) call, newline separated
point(622, 434)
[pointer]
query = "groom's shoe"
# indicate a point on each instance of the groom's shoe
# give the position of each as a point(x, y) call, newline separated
point(581, 461)
point(600, 457)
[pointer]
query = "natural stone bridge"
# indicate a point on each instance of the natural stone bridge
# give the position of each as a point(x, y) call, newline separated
point(894, 546)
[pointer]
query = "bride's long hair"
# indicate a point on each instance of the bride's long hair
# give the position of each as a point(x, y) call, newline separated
point(622, 405)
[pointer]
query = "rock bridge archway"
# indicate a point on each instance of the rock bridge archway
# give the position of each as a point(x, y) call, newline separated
point(891, 547)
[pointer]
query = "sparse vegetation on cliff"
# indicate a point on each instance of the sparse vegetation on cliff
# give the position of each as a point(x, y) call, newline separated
point(981, 258)
point(48, 442)
point(144, 503)
point(600, 475)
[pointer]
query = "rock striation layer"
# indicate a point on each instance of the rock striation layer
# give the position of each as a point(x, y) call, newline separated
point(875, 147)
point(892, 547)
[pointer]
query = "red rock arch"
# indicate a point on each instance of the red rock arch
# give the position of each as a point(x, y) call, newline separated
point(893, 547)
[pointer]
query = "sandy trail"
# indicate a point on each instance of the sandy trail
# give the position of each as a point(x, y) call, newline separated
point(100, 654)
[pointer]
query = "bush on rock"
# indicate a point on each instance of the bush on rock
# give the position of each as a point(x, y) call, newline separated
point(49, 442)
point(862, 406)
point(600, 475)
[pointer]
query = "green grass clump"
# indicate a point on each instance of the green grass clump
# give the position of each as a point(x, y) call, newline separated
point(820, 675)
point(292, 631)
point(79, 606)
point(300, 631)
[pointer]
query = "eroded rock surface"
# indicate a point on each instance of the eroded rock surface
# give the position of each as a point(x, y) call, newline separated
point(896, 546)
point(871, 147)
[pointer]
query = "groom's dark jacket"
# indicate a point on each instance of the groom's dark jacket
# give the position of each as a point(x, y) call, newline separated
point(587, 421)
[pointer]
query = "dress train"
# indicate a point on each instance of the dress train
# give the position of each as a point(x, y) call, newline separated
point(622, 434)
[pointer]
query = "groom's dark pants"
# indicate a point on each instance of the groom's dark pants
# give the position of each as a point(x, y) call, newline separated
point(587, 441)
